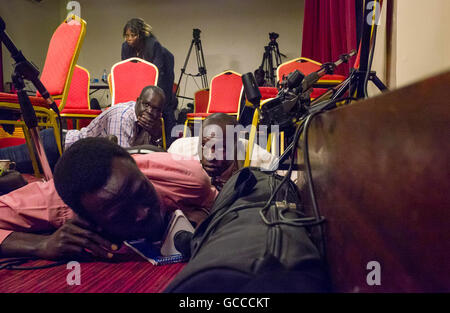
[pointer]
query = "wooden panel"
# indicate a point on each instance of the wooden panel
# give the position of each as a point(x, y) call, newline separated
point(381, 174)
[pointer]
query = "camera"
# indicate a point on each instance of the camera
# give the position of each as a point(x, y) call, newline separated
point(284, 110)
point(273, 36)
point(196, 33)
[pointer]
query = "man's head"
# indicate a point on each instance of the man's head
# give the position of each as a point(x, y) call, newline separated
point(101, 182)
point(214, 154)
point(151, 102)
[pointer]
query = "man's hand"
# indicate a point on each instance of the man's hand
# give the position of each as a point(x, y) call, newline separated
point(150, 125)
point(76, 239)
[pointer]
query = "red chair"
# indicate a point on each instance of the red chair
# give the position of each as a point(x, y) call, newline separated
point(78, 104)
point(268, 92)
point(129, 77)
point(201, 99)
point(307, 66)
point(62, 55)
point(225, 96)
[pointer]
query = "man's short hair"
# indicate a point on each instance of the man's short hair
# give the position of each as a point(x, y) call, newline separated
point(221, 119)
point(85, 167)
point(157, 90)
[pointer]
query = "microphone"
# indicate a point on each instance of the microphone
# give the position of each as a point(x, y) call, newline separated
point(182, 242)
point(251, 89)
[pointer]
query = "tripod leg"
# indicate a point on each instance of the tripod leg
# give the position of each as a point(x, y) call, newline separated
point(184, 66)
point(277, 55)
point(377, 82)
point(345, 86)
point(271, 71)
point(201, 63)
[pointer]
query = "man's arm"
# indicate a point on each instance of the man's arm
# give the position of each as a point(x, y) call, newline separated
point(37, 208)
point(94, 129)
point(72, 240)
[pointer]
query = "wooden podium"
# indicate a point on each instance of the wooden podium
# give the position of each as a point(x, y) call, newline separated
point(381, 171)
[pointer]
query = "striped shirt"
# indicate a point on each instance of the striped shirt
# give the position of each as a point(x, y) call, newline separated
point(119, 120)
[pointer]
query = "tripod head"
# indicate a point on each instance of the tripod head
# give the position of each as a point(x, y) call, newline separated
point(196, 33)
point(273, 39)
point(273, 36)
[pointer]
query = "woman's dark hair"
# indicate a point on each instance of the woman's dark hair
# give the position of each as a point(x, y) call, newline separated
point(138, 26)
point(85, 167)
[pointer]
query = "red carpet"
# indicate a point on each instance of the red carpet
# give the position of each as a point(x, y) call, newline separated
point(96, 277)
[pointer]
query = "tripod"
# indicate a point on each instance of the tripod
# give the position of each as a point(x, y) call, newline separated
point(271, 53)
point(200, 62)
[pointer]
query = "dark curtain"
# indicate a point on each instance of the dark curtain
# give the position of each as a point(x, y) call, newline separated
point(329, 30)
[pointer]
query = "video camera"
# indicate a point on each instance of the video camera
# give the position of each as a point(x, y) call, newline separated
point(293, 101)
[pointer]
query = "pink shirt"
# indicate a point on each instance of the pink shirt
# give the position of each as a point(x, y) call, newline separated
point(180, 184)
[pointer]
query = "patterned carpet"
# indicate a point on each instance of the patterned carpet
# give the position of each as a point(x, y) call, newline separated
point(95, 277)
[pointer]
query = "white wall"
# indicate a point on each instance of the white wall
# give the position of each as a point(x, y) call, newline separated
point(420, 45)
point(423, 39)
point(30, 26)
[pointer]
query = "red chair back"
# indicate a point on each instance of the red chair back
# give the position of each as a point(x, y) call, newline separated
point(201, 98)
point(78, 97)
point(303, 66)
point(60, 59)
point(306, 66)
point(225, 93)
point(129, 77)
point(268, 92)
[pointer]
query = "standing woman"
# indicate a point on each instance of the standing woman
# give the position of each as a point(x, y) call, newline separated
point(141, 43)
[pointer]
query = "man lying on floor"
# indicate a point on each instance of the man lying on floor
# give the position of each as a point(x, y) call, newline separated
point(218, 158)
point(37, 207)
point(115, 196)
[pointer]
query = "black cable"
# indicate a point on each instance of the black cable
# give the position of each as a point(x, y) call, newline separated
point(15, 264)
point(283, 181)
point(369, 67)
point(310, 180)
point(26, 268)
point(298, 222)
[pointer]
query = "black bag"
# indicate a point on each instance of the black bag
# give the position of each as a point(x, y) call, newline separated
point(10, 181)
point(234, 250)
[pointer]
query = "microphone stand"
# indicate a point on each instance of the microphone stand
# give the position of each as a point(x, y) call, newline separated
point(23, 69)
